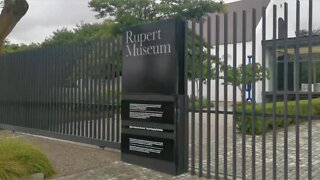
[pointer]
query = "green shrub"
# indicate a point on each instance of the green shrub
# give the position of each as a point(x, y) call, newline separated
point(18, 159)
point(279, 111)
point(197, 103)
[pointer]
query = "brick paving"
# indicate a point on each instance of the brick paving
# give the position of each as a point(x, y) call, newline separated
point(303, 148)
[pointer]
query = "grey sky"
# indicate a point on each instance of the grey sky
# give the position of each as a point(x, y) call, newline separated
point(46, 16)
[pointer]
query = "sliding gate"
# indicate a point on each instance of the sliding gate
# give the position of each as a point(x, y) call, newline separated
point(253, 93)
point(70, 92)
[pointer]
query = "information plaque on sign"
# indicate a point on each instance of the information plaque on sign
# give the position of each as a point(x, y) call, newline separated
point(154, 129)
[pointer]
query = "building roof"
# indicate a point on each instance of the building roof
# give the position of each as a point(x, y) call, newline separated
point(237, 7)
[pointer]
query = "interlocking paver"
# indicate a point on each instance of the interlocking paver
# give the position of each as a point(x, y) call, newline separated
point(303, 151)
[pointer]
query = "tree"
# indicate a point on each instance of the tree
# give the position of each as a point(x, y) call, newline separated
point(12, 48)
point(135, 12)
point(83, 32)
point(12, 12)
point(243, 74)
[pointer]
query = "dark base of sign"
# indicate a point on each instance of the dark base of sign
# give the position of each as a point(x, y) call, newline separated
point(155, 164)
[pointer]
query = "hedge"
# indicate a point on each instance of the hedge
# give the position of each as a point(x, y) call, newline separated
point(279, 111)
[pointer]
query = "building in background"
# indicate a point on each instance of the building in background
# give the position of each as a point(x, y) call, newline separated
point(295, 79)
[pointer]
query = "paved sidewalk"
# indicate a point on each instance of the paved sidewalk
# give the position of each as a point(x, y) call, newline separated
point(248, 144)
point(120, 170)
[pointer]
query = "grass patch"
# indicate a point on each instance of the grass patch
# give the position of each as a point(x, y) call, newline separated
point(279, 111)
point(205, 103)
point(18, 159)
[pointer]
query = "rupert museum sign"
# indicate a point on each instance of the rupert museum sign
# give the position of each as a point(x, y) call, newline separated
point(153, 126)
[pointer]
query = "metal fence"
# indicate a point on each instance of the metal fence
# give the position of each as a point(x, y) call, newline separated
point(272, 132)
point(73, 92)
point(69, 91)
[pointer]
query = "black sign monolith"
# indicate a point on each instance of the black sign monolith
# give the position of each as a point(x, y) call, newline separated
point(153, 126)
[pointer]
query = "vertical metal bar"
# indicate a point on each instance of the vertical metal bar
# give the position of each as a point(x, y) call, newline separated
point(118, 63)
point(10, 92)
point(94, 90)
point(69, 99)
point(285, 95)
point(21, 89)
point(78, 89)
point(30, 93)
point(244, 38)
point(225, 98)
point(2, 92)
point(3, 116)
point(12, 122)
point(64, 60)
point(47, 90)
point(17, 93)
point(28, 97)
point(7, 89)
point(17, 89)
point(59, 88)
point(96, 86)
point(113, 90)
point(63, 89)
point(82, 89)
point(72, 110)
point(41, 110)
point(201, 99)
point(66, 81)
point(209, 98)
point(42, 91)
point(234, 100)
point(75, 87)
point(101, 110)
point(186, 99)
point(5, 96)
point(12, 59)
point(55, 88)
point(263, 93)
point(253, 110)
point(297, 89)
point(274, 98)
point(99, 87)
point(217, 65)
point(52, 78)
point(52, 87)
point(309, 90)
point(88, 90)
point(193, 101)
point(3, 89)
point(37, 88)
point(108, 89)
point(39, 106)
point(104, 89)
point(14, 81)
